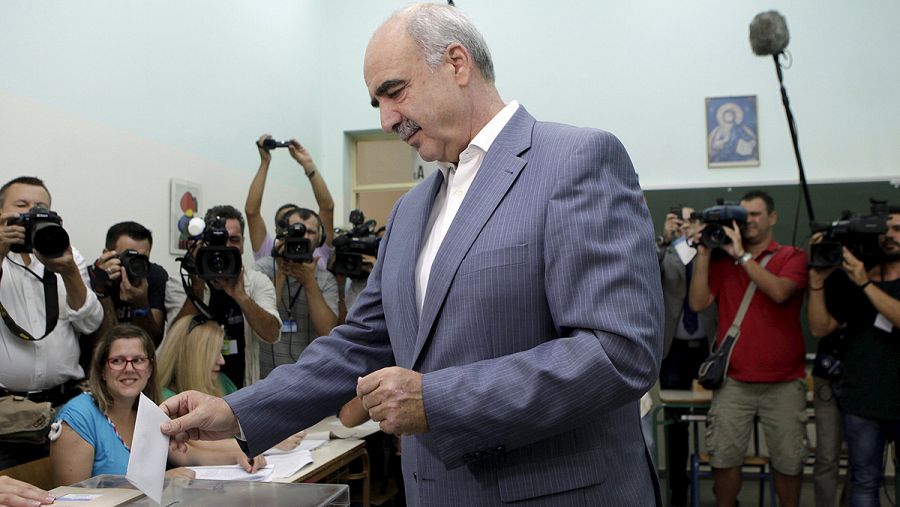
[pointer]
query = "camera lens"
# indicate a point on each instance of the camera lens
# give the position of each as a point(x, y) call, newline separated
point(50, 239)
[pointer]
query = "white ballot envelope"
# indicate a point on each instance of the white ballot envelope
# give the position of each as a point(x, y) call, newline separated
point(149, 449)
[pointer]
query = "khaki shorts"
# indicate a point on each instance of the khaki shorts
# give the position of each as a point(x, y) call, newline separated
point(782, 413)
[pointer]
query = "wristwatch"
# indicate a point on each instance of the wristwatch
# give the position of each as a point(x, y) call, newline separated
point(743, 259)
point(140, 312)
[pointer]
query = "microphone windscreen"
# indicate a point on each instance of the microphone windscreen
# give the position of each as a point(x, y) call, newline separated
point(196, 226)
point(769, 33)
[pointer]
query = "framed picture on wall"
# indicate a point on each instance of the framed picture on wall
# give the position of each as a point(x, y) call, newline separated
point(731, 132)
point(184, 203)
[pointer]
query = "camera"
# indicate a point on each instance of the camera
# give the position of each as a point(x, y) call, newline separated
point(350, 246)
point(716, 219)
point(43, 232)
point(270, 144)
point(296, 246)
point(137, 265)
point(858, 232)
point(214, 260)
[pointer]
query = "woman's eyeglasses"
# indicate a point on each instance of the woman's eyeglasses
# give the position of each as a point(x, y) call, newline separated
point(119, 363)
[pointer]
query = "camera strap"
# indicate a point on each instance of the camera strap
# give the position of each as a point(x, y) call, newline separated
point(51, 307)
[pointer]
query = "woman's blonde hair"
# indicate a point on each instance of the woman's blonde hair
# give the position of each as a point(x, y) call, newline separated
point(101, 354)
point(187, 356)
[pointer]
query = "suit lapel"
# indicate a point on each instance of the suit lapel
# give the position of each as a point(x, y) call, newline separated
point(498, 171)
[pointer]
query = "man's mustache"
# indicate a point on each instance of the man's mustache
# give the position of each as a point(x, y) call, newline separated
point(406, 129)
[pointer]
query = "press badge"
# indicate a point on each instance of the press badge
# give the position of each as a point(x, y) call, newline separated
point(882, 322)
point(685, 251)
point(289, 326)
point(229, 347)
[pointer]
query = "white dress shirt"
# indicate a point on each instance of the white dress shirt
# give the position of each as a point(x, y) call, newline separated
point(35, 365)
point(457, 181)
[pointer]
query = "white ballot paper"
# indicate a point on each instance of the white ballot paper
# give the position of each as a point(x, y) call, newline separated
point(232, 473)
point(149, 449)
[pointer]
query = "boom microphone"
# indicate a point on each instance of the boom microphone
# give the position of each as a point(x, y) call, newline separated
point(769, 33)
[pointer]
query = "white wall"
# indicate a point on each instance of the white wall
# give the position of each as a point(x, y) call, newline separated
point(107, 100)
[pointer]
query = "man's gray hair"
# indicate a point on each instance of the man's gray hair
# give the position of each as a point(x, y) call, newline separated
point(434, 27)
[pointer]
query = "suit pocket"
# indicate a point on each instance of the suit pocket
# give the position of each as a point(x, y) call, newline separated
point(551, 475)
point(498, 257)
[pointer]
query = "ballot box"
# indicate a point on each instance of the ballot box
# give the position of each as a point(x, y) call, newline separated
point(193, 492)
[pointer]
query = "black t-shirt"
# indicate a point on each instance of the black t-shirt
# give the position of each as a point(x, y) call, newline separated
point(156, 293)
point(227, 312)
point(871, 386)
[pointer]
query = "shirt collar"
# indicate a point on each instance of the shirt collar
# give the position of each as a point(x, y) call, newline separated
point(485, 137)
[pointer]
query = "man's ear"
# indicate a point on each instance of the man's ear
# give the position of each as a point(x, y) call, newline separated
point(461, 61)
point(773, 217)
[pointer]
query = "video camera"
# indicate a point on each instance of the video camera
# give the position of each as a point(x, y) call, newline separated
point(43, 232)
point(350, 246)
point(270, 144)
point(296, 246)
point(858, 232)
point(213, 259)
point(716, 219)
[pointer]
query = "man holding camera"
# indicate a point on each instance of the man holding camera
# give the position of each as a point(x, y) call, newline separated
point(687, 335)
point(766, 371)
point(244, 304)
point(306, 294)
point(46, 304)
point(129, 286)
point(866, 302)
point(260, 240)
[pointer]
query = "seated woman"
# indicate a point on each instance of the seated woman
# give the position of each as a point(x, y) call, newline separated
point(93, 432)
point(191, 359)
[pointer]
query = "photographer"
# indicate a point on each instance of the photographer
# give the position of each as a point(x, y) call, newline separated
point(867, 303)
point(356, 249)
point(766, 371)
point(243, 304)
point(306, 294)
point(130, 287)
point(47, 302)
point(260, 240)
point(687, 335)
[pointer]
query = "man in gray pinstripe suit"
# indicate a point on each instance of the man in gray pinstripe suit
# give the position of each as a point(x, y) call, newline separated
point(514, 316)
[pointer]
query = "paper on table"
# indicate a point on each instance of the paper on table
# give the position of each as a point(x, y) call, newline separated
point(233, 473)
point(307, 444)
point(86, 497)
point(341, 431)
point(287, 464)
point(149, 449)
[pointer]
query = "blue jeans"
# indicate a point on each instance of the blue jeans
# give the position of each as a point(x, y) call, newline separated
point(866, 440)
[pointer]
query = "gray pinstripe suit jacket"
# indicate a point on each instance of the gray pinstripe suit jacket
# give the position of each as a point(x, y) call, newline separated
point(541, 329)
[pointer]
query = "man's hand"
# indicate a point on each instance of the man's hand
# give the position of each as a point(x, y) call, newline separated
point(265, 156)
point(393, 398)
point(10, 234)
point(134, 295)
point(672, 227)
point(855, 269)
point(234, 287)
point(303, 272)
point(736, 247)
point(109, 262)
point(64, 264)
point(197, 416)
point(14, 493)
point(301, 155)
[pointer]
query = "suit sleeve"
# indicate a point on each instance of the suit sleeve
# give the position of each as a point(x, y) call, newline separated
point(295, 396)
point(603, 291)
